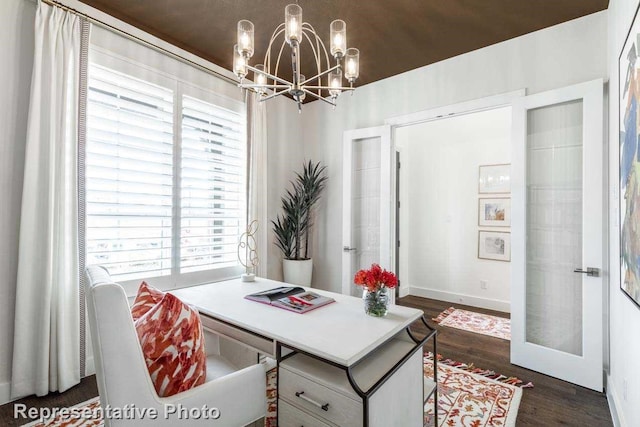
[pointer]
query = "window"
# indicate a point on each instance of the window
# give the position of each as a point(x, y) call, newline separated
point(165, 180)
point(212, 189)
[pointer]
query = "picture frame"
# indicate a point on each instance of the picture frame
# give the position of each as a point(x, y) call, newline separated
point(494, 178)
point(494, 212)
point(494, 245)
point(629, 166)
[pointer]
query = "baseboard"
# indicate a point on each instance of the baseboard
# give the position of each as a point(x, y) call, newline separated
point(5, 393)
point(614, 404)
point(404, 291)
point(490, 304)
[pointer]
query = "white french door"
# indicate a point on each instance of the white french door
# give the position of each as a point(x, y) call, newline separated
point(366, 201)
point(557, 233)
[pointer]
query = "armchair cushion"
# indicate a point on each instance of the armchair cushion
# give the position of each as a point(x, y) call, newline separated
point(146, 299)
point(172, 342)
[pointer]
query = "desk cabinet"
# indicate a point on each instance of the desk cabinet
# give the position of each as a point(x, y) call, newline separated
point(385, 389)
point(366, 371)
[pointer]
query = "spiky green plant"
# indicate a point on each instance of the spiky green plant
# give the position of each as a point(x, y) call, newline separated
point(293, 227)
point(312, 181)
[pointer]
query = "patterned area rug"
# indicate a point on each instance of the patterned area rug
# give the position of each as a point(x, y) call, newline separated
point(468, 396)
point(81, 420)
point(467, 399)
point(485, 324)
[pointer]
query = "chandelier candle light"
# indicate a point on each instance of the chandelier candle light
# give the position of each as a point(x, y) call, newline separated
point(294, 31)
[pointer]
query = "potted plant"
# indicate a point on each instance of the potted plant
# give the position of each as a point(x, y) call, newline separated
point(293, 227)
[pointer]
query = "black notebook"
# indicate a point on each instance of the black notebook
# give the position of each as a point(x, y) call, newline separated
point(293, 298)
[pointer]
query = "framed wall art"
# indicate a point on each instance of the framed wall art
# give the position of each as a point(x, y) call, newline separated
point(629, 166)
point(494, 212)
point(494, 178)
point(494, 245)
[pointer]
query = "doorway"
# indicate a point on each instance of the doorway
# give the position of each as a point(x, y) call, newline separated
point(438, 219)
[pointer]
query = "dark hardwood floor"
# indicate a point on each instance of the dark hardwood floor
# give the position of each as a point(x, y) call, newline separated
point(78, 394)
point(551, 402)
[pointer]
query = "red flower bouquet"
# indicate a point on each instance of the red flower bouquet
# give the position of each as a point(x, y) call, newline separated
point(375, 278)
point(376, 281)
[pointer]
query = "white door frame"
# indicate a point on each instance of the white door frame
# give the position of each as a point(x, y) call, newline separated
point(447, 111)
point(575, 369)
point(386, 260)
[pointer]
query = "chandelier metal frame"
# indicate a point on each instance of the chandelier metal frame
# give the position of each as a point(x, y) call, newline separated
point(300, 86)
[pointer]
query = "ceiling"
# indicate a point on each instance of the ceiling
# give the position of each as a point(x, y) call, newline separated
point(393, 36)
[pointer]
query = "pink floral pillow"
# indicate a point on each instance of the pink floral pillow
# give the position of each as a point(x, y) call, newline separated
point(172, 341)
point(147, 298)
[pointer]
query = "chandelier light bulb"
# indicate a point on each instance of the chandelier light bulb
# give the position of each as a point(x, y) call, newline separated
point(352, 64)
point(239, 63)
point(337, 40)
point(335, 82)
point(260, 79)
point(293, 23)
point(245, 38)
point(338, 34)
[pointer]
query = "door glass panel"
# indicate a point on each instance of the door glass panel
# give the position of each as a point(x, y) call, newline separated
point(365, 203)
point(554, 227)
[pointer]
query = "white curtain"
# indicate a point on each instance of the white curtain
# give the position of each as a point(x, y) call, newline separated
point(46, 353)
point(257, 203)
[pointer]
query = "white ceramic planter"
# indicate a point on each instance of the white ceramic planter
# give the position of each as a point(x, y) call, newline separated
point(297, 272)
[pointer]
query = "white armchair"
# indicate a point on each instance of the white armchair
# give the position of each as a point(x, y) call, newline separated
point(123, 378)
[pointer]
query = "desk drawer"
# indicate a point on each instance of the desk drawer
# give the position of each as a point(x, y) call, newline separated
point(290, 416)
point(258, 343)
point(340, 410)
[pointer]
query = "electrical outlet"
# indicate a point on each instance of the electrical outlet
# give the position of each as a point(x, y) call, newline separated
point(624, 389)
point(483, 284)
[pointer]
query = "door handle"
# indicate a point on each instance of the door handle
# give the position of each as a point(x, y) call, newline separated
point(590, 271)
point(348, 249)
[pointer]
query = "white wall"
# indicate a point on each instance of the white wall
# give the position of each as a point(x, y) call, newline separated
point(16, 37)
point(439, 207)
point(285, 154)
point(624, 380)
point(558, 56)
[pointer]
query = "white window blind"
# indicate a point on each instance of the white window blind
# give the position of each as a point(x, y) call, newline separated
point(161, 202)
point(212, 190)
point(129, 175)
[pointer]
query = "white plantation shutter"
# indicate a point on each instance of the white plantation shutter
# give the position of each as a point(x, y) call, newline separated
point(129, 175)
point(213, 168)
point(165, 179)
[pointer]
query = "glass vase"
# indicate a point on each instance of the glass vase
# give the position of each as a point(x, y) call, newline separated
point(376, 303)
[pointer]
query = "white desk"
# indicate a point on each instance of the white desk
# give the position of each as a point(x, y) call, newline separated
point(340, 332)
point(339, 336)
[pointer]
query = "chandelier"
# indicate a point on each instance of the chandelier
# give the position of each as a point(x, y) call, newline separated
point(293, 31)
